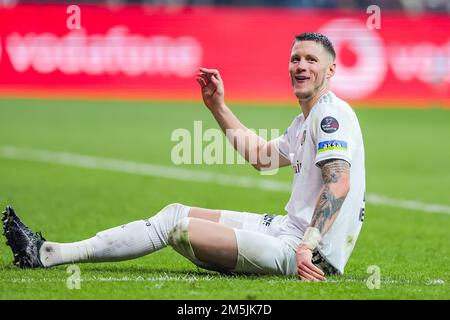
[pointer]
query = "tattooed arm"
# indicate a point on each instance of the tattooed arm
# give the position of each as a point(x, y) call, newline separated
point(336, 178)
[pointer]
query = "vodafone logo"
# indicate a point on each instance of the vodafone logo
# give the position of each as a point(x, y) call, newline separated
point(366, 50)
point(0, 50)
point(116, 51)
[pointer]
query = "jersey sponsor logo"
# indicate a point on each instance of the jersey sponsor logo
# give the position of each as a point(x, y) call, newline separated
point(329, 125)
point(332, 145)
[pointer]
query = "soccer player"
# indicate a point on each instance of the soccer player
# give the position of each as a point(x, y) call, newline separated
point(324, 147)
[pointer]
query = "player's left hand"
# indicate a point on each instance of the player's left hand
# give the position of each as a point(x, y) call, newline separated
point(307, 271)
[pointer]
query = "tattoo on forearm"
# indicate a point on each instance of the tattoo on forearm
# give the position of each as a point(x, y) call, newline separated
point(329, 204)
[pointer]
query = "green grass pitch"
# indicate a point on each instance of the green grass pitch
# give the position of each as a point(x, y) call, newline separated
point(407, 157)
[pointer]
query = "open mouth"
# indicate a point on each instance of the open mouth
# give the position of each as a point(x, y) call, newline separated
point(301, 79)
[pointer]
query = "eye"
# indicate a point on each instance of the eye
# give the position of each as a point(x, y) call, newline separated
point(295, 60)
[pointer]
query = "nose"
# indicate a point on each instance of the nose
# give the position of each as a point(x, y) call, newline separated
point(301, 66)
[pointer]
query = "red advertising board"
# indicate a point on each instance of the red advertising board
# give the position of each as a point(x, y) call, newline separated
point(155, 52)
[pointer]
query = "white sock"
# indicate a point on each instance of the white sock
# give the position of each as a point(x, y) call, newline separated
point(128, 241)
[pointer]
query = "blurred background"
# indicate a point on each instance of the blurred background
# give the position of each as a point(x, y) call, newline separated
point(387, 51)
point(407, 5)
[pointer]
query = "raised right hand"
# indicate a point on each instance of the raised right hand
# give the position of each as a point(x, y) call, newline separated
point(212, 88)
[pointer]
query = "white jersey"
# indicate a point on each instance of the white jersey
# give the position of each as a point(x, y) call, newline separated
point(331, 131)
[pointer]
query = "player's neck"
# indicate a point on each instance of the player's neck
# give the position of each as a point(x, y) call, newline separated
point(307, 105)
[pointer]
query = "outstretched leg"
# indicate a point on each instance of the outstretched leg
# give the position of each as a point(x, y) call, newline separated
point(129, 241)
point(125, 242)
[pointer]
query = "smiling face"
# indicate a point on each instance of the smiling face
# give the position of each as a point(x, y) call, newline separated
point(310, 68)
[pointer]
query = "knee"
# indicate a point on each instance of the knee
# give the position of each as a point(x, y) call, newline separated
point(179, 234)
point(175, 210)
point(173, 207)
point(170, 215)
point(179, 239)
point(180, 242)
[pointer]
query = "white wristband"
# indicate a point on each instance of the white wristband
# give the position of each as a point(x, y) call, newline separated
point(312, 238)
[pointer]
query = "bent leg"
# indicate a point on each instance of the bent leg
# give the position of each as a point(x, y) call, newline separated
point(213, 243)
point(218, 247)
point(207, 244)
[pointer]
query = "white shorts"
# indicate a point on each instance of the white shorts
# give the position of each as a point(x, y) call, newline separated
point(261, 250)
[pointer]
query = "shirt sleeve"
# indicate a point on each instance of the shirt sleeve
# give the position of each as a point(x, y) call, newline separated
point(282, 144)
point(332, 132)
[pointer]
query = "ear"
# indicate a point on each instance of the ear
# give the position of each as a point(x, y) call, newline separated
point(331, 70)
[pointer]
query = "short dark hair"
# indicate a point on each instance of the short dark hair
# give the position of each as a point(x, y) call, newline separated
point(319, 38)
